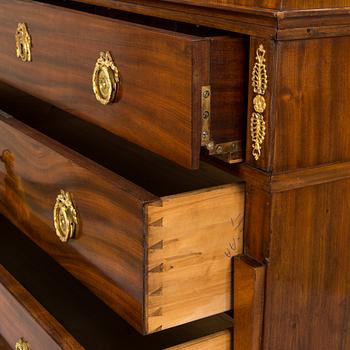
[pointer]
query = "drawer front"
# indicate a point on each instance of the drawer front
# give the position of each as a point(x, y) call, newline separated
point(139, 252)
point(24, 321)
point(161, 73)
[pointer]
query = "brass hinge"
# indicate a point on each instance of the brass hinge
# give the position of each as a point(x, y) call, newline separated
point(229, 152)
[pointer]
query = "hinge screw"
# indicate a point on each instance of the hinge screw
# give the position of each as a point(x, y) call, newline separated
point(206, 115)
point(206, 93)
point(235, 147)
point(205, 135)
point(210, 146)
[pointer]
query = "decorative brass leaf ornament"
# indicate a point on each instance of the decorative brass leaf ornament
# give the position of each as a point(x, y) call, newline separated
point(259, 83)
point(258, 130)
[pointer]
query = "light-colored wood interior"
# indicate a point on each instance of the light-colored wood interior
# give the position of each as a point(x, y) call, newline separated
point(217, 341)
point(191, 239)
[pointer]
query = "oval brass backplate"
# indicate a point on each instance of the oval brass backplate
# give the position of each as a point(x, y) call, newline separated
point(23, 43)
point(105, 79)
point(65, 217)
point(22, 344)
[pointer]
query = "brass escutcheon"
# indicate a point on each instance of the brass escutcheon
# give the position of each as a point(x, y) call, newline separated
point(22, 344)
point(105, 79)
point(23, 43)
point(65, 217)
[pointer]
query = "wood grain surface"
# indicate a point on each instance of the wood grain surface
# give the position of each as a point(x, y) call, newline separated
point(162, 72)
point(228, 79)
point(309, 274)
point(82, 314)
point(306, 110)
point(219, 341)
point(311, 125)
point(33, 171)
point(295, 20)
point(110, 254)
point(3, 344)
point(256, 4)
point(297, 203)
point(191, 240)
point(249, 21)
point(272, 4)
point(248, 301)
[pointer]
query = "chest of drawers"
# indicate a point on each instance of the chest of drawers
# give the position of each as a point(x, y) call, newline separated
point(187, 162)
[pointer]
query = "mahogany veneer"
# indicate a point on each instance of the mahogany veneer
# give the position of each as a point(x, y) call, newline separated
point(268, 4)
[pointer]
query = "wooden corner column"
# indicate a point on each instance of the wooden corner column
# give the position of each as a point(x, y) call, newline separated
point(248, 303)
point(298, 187)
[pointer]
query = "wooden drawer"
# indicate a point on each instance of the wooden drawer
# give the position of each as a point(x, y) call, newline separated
point(160, 102)
point(43, 304)
point(154, 244)
point(24, 320)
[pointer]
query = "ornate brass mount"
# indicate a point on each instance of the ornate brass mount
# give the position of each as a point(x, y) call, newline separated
point(259, 83)
point(65, 217)
point(105, 80)
point(22, 344)
point(225, 151)
point(23, 43)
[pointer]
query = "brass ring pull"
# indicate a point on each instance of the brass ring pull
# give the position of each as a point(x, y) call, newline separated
point(105, 80)
point(23, 43)
point(65, 217)
point(22, 344)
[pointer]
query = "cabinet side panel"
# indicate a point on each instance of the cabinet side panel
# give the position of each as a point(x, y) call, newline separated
point(308, 278)
point(312, 126)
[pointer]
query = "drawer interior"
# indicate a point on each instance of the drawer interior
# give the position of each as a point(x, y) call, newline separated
point(153, 173)
point(82, 314)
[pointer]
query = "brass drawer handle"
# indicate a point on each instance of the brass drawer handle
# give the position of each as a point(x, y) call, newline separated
point(105, 80)
point(65, 217)
point(23, 43)
point(22, 344)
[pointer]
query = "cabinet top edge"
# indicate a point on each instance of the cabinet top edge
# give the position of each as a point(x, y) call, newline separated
point(265, 8)
point(270, 23)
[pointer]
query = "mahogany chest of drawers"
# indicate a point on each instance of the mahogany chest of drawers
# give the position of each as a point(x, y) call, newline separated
point(174, 174)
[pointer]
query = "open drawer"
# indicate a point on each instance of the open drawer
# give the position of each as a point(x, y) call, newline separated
point(44, 307)
point(167, 91)
point(150, 238)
